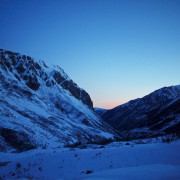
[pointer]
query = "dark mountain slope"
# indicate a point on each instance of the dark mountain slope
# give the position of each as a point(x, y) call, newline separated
point(156, 113)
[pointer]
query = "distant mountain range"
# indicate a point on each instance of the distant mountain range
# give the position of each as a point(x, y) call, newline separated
point(100, 111)
point(40, 106)
point(155, 114)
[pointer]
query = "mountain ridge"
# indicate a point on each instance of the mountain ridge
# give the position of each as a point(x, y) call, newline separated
point(56, 74)
point(137, 117)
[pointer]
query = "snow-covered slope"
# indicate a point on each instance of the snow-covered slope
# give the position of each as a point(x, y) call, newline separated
point(41, 106)
point(152, 115)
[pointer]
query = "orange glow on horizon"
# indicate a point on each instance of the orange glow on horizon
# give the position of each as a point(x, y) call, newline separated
point(111, 105)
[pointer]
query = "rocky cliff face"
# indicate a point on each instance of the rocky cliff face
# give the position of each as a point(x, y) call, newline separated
point(33, 74)
point(41, 106)
point(156, 113)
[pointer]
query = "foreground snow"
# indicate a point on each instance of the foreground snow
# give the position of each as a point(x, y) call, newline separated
point(142, 161)
point(148, 172)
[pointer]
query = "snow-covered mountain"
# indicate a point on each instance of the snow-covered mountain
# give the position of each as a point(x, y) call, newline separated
point(155, 114)
point(40, 106)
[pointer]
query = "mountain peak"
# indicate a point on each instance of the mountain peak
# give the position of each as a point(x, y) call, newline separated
point(34, 73)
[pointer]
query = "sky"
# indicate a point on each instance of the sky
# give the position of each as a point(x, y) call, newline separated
point(117, 50)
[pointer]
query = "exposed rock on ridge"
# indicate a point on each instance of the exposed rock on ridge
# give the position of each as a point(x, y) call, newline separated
point(30, 71)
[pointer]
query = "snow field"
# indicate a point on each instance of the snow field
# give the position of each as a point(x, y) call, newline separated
point(143, 161)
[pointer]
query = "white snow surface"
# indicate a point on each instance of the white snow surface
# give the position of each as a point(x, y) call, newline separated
point(156, 161)
point(148, 172)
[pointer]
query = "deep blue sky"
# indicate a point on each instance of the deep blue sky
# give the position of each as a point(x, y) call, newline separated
point(115, 50)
